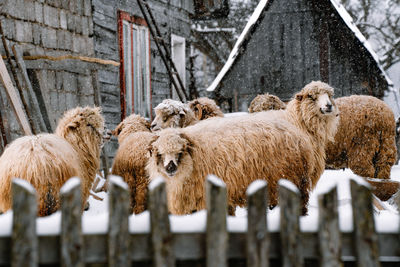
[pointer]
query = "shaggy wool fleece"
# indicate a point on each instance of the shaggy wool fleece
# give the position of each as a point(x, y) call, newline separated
point(365, 139)
point(266, 102)
point(172, 113)
point(265, 145)
point(132, 124)
point(131, 158)
point(205, 108)
point(47, 161)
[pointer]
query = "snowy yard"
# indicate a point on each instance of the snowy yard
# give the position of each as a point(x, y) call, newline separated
point(95, 220)
point(386, 221)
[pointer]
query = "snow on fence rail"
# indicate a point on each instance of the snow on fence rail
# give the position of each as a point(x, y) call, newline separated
point(213, 246)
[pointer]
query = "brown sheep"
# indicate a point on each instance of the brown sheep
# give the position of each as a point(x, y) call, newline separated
point(265, 145)
point(205, 108)
point(47, 161)
point(398, 137)
point(266, 102)
point(134, 138)
point(365, 139)
point(172, 113)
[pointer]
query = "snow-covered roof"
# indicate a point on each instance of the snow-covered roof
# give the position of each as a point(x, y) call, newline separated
point(252, 23)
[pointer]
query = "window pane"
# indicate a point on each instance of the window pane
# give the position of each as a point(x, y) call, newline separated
point(146, 72)
point(127, 67)
point(136, 69)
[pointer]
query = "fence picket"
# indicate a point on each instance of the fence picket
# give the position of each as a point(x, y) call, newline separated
point(365, 237)
point(329, 234)
point(161, 236)
point(118, 227)
point(289, 202)
point(71, 224)
point(257, 232)
point(24, 239)
point(216, 233)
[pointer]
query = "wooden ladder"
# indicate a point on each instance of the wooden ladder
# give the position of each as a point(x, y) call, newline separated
point(164, 52)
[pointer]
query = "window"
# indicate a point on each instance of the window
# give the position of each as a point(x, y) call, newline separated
point(134, 42)
point(178, 57)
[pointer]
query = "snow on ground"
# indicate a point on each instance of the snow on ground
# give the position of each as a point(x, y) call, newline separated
point(95, 220)
point(386, 221)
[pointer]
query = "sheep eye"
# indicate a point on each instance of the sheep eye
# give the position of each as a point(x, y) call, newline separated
point(311, 97)
point(158, 157)
point(180, 156)
point(165, 119)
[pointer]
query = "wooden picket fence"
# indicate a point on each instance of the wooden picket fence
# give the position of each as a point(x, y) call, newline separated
point(216, 246)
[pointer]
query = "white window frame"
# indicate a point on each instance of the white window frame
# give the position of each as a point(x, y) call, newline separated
point(178, 55)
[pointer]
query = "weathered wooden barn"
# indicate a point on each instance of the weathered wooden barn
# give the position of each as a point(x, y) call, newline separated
point(83, 52)
point(287, 44)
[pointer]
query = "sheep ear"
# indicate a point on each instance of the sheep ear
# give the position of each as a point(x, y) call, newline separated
point(150, 147)
point(299, 97)
point(117, 130)
point(189, 145)
point(73, 125)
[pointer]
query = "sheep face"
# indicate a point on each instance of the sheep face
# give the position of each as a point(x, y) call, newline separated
point(170, 114)
point(171, 154)
point(318, 95)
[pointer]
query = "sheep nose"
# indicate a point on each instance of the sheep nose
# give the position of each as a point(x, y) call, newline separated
point(153, 126)
point(171, 167)
point(329, 107)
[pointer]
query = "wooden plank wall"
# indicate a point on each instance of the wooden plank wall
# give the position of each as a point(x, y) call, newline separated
point(171, 16)
point(284, 52)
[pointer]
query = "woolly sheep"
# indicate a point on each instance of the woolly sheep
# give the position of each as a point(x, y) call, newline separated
point(172, 113)
point(366, 136)
point(205, 108)
point(134, 138)
point(265, 145)
point(47, 161)
point(266, 102)
point(365, 139)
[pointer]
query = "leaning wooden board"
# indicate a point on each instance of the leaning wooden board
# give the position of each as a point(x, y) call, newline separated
point(14, 98)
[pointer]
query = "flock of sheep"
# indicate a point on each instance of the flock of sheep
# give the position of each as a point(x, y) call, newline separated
point(188, 141)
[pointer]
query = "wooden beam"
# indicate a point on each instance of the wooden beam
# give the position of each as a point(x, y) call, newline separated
point(14, 98)
point(36, 114)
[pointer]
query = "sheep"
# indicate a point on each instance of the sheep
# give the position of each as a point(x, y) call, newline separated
point(172, 113)
point(398, 137)
point(205, 108)
point(265, 145)
point(134, 137)
point(365, 140)
point(47, 161)
point(266, 102)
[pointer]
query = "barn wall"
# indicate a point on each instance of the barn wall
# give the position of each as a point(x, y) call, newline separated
point(297, 42)
point(280, 57)
point(52, 28)
point(172, 18)
point(351, 69)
